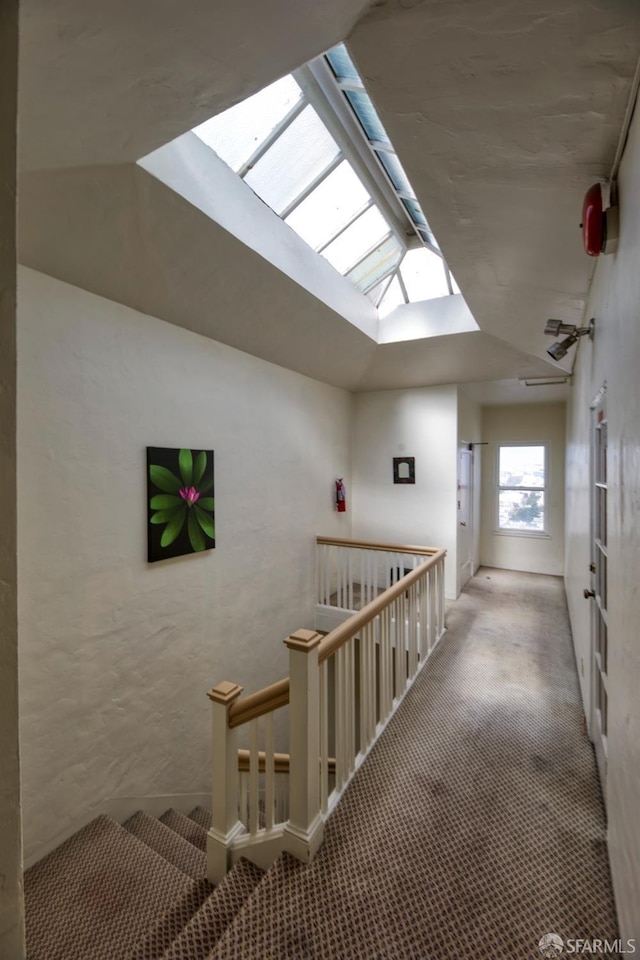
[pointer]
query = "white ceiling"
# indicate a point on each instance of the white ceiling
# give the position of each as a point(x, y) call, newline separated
point(503, 114)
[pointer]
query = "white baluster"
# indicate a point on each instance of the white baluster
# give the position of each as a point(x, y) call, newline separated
point(225, 825)
point(305, 828)
point(269, 771)
point(254, 776)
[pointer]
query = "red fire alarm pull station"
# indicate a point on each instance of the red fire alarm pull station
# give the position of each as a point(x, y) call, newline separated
point(599, 226)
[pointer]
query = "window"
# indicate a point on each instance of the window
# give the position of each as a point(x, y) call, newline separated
point(522, 482)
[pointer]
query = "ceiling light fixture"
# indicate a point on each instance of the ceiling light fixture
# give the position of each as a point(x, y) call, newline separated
point(554, 328)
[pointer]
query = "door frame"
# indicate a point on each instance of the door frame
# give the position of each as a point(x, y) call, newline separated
point(465, 449)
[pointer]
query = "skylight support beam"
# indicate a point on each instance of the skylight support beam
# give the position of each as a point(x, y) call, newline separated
point(402, 286)
point(318, 83)
point(337, 160)
point(388, 275)
point(349, 84)
point(275, 134)
point(368, 252)
point(346, 226)
point(448, 276)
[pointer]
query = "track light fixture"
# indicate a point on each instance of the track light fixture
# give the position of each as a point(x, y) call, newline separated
point(555, 328)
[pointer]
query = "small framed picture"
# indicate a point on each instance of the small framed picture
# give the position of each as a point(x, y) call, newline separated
point(404, 469)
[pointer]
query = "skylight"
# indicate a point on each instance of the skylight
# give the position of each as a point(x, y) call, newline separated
point(313, 148)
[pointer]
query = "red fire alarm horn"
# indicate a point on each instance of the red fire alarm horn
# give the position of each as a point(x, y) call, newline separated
point(599, 225)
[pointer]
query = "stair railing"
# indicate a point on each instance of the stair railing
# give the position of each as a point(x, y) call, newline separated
point(341, 692)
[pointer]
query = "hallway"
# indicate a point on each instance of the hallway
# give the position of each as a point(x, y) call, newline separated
point(477, 825)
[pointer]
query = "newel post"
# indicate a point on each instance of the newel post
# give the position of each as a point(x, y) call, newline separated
point(225, 825)
point(305, 828)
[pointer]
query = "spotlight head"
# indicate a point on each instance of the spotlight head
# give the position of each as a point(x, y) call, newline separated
point(556, 328)
point(560, 349)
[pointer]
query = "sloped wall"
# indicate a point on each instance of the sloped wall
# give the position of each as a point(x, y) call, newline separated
point(117, 654)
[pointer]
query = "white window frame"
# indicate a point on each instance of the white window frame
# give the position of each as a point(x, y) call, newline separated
point(499, 488)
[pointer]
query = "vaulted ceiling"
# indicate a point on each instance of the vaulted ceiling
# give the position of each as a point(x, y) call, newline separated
point(502, 113)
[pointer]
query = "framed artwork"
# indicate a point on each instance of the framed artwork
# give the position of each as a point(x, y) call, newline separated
point(404, 469)
point(180, 502)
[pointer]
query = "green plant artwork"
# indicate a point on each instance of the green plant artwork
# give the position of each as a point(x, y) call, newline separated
point(180, 502)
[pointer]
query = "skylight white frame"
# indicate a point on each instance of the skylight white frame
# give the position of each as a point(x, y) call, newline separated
point(325, 92)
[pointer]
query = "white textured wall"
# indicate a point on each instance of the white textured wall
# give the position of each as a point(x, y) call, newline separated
point(117, 654)
point(614, 357)
point(524, 423)
point(420, 423)
point(11, 916)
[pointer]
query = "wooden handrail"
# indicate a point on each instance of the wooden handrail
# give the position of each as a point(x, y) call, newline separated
point(338, 636)
point(277, 695)
point(375, 545)
point(280, 762)
point(259, 703)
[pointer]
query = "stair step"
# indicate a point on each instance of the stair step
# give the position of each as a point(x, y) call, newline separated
point(164, 931)
point(95, 895)
point(186, 828)
point(208, 924)
point(253, 932)
point(202, 816)
point(169, 844)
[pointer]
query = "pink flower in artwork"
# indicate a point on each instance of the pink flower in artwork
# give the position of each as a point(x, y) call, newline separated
point(189, 494)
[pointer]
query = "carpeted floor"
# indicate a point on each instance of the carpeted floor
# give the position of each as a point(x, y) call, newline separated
point(476, 825)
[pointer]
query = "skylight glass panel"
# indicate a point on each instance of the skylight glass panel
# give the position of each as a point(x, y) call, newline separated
point(415, 212)
point(357, 240)
point(394, 297)
point(423, 274)
point(395, 171)
point(236, 134)
point(376, 293)
point(377, 264)
point(298, 156)
point(428, 237)
point(366, 114)
point(342, 64)
point(330, 206)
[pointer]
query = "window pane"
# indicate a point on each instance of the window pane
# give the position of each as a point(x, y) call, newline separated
point(395, 170)
point(304, 150)
point(342, 64)
point(415, 212)
point(361, 236)
point(423, 275)
point(521, 510)
point(366, 114)
point(329, 207)
point(378, 264)
point(521, 467)
point(236, 134)
point(393, 298)
point(376, 293)
point(428, 237)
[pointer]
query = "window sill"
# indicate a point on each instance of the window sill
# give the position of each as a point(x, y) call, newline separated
point(534, 534)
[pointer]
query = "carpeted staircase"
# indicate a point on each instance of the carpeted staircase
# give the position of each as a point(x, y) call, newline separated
point(132, 892)
point(474, 827)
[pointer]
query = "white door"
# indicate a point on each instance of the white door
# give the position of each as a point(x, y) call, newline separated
point(465, 513)
point(598, 590)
